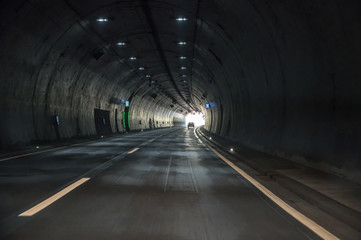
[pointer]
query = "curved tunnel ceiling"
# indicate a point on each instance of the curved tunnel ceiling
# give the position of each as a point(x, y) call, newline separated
point(280, 76)
point(150, 32)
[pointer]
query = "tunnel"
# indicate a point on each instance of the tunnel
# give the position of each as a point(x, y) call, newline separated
point(87, 85)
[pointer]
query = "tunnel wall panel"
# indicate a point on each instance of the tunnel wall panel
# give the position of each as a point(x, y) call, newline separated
point(48, 68)
point(292, 80)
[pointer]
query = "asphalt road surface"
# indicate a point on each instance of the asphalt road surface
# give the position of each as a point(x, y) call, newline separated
point(160, 184)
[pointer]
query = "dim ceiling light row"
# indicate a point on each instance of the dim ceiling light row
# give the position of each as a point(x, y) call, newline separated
point(179, 19)
point(182, 19)
point(123, 44)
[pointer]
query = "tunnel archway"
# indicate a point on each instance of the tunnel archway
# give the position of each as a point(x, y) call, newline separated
point(280, 77)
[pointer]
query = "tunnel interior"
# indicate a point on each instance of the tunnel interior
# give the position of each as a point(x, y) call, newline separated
point(282, 77)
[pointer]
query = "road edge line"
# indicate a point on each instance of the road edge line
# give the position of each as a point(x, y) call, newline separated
point(307, 222)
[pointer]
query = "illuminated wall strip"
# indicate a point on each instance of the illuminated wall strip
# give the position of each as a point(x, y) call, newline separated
point(37, 208)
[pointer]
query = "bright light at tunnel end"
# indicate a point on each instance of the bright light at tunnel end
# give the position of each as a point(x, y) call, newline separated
point(197, 118)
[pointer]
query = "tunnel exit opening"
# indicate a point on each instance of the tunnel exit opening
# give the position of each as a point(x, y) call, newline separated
point(196, 117)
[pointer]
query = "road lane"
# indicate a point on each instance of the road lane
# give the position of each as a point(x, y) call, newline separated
point(171, 188)
point(27, 180)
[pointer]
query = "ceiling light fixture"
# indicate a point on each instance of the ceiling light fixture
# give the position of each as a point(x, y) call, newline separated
point(121, 43)
point(182, 43)
point(141, 68)
point(147, 76)
point(102, 19)
point(184, 75)
point(132, 58)
point(183, 68)
point(181, 19)
point(182, 57)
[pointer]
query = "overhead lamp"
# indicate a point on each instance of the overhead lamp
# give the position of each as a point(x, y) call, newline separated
point(132, 58)
point(147, 76)
point(184, 75)
point(184, 81)
point(182, 43)
point(121, 43)
point(182, 57)
point(102, 20)
point(183, 68)
point(181, 19)
point(141, 68)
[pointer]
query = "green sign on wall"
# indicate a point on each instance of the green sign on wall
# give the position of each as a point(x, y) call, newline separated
point(126, 124)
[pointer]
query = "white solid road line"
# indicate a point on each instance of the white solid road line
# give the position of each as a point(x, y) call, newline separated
point(37, 208)
point(47, 150)
point(135, 149)
point(320, 231)
point(310, 224)
point(33, 153)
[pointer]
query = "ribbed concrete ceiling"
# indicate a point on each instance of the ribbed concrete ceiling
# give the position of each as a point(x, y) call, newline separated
point(152, 33)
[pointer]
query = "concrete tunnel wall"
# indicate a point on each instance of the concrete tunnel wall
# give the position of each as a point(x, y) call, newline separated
point(287, 79)
point(282, 77)
point(48, 69)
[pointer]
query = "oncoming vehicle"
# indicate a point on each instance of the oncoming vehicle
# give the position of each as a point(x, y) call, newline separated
point(190, 124)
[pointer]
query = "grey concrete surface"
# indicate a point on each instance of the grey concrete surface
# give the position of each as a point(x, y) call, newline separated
point(171, 188)
point(346, 192)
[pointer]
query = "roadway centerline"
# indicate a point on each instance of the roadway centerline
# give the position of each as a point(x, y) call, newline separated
point(81, 179)
point(134, 150)
point(37, 208)
point(58, 148)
